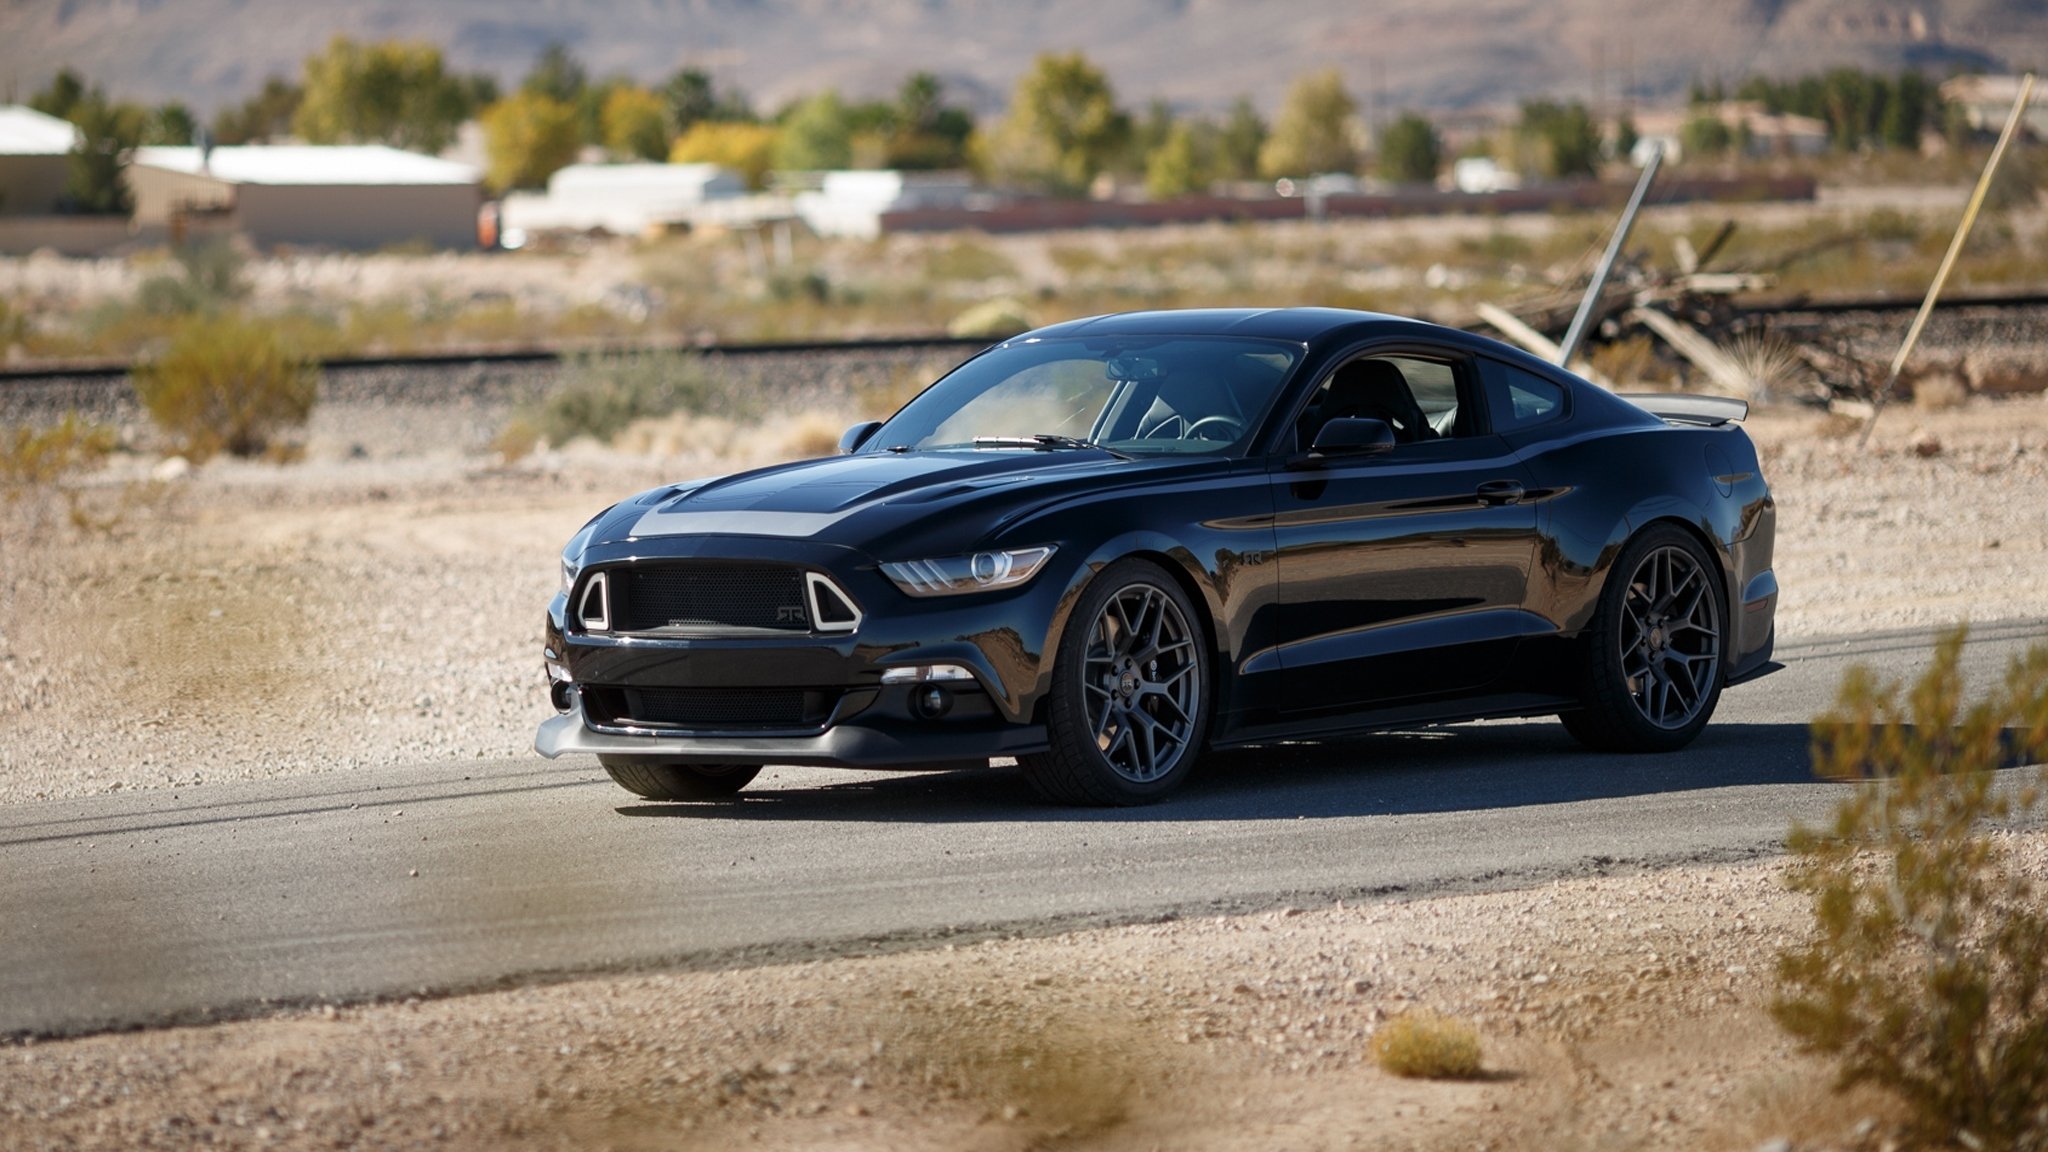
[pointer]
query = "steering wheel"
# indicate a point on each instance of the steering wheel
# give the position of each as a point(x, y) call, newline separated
point(1230, 424)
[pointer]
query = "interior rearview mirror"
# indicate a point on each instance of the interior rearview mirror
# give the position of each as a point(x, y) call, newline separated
point(857, 436)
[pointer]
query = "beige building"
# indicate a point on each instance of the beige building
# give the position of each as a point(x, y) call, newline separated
point(343, 197)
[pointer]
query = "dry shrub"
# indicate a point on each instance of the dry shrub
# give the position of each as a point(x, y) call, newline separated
point(1627, 362)
point(607, 393)
point(36, 457)
point(1774, 367)
point(811, 435)
point(1940, 390)
point(1424, 1045)
point(993, 320)
point(1926, 973)
point(227, 385)
point(678, 434)
point(517, 439)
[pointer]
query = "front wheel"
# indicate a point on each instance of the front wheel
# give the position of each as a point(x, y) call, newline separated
point(1654, 649)
point(666, 780)
point(1129, 702)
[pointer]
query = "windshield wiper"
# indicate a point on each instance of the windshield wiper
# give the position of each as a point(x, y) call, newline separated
point(1046, 442)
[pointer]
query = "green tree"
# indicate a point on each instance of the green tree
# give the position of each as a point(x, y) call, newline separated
point(170, 123)
point(557, 75)
point(1626, 137)
point(636, 124)
point(1237, 148)
point(262, 117)
point(1063, 129)
point(394, 92)
point(928, 133)
point(816, 135)
point(1411, 151)
point(693, 98)
point(1567, 134)
point(1149, 133)
point(107, 132)
point(527, 137)
point(1315, 130)
point(61, 96)
point(1182, 163)
point(1705, 136)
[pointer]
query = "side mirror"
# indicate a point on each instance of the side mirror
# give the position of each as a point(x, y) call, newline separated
point(857, 436)
point(1352, 436)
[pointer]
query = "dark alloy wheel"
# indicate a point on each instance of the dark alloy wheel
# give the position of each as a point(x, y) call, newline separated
point(663, 780)
point(1129, 706)
point(1654, 649)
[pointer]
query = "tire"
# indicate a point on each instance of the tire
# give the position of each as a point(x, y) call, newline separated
point(1129, 707)
point(660, 780)
point(1655, 648)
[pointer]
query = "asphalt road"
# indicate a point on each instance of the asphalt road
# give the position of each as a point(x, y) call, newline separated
point(219, 900)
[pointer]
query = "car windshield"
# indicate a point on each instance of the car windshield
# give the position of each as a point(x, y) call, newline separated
point(1132, 395)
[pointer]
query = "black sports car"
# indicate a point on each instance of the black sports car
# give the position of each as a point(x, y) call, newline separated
point(1107, 545)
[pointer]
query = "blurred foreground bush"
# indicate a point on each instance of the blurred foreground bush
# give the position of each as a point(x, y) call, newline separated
point(1927, 971)
point(227, 385)
point(607, 392)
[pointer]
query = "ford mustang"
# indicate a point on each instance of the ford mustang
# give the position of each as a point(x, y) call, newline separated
point(1105, 546)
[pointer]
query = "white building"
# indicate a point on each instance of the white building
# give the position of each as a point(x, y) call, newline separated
point(1986, 101)
point(357, 196)
point(852, 203)
point(622, 199)
point(1478, 175)
point(35, 166)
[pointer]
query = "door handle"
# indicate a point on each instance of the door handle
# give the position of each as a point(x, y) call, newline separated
point(1501, 492)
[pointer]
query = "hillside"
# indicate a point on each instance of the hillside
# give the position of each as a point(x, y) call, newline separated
point(1436, 54)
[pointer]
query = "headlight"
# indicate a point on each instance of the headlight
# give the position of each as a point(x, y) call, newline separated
point(981, 572)
point(570, 567)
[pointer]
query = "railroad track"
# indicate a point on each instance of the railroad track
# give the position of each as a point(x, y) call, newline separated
point(119, 370)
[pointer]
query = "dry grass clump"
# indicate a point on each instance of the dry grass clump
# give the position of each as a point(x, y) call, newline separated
point(34, 457)
point(1426, 1046)
point(1940, 390)
point(228, 385)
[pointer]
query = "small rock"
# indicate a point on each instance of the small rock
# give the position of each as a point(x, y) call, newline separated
point(414, 872)
point(1780, 1144)
point(856, 1109)
point(1924, 444)
point(171, 468)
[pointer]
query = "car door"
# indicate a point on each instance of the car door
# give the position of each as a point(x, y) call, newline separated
point(1402, 574)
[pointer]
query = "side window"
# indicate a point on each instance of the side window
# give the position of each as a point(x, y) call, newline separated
point(1420, 399)
point(1518, 399)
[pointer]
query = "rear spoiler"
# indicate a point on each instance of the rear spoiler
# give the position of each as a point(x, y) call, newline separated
point(1680, 408)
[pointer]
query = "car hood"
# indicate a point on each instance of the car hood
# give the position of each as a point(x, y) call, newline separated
point(858, 500)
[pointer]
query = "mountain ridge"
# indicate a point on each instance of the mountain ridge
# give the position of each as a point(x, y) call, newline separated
point(1433, 55)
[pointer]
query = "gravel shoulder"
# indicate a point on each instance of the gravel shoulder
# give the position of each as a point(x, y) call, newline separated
point(247, 621)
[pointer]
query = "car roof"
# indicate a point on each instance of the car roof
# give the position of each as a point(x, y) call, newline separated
point(1301, 325)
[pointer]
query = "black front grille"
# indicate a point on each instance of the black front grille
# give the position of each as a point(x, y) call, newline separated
point(699, 596)
point(721, 709)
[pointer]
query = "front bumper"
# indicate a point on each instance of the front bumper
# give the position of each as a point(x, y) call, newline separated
point(851, 718)
point(843, 745)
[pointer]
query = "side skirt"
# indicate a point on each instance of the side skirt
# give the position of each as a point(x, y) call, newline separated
point(1494, 707)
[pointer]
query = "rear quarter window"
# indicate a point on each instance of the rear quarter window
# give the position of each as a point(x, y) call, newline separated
point(1518, 399)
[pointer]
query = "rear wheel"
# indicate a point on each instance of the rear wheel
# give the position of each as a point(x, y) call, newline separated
point(663, 780)
point(1129, 704)
point(1654, 649)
